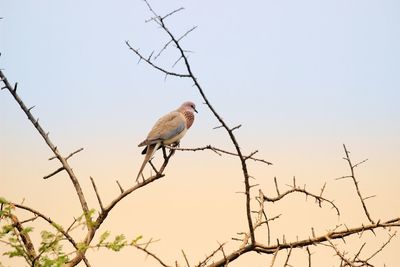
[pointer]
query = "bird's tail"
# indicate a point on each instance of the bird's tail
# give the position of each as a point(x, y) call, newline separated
point(149, 153)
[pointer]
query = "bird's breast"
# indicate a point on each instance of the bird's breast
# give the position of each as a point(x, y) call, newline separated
point(189, 116)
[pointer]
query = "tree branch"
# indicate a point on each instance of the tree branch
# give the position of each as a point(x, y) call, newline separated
point(319, 199)
point(352, 176)
point(53, 148)
point(160, 21)
point(261, 248)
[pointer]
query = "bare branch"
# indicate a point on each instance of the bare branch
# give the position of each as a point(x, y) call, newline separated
point(204, 262)
point(340, 254)
point(173, 12)
point(317, 198)
point(151, 254)
point(191, 76)
point(53, 173)
point(276, 186)
point(73, 153)
point(186, 33)
point(309, 256)
point(50, 221)
point(162, 49)
point(382, 247)
point(358, 164)
point(136, 51)
point(236, 127)
point(287, 258)
point(186, 259)
point(53, 148)
point(274, 258)
point(218, 127)
point(219, 151)
point(97, 193)
point(120, 187)
point(261, 248)
point(352, 175)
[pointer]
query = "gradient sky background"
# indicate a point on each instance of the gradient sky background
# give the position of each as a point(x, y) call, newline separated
point(302, 77)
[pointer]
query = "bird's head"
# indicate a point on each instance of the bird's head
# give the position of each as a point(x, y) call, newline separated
point(188, 106)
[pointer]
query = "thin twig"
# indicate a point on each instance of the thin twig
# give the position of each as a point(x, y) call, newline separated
point(186, 259)
point(97, 193)
point(54, 173)
point(120, 187)
point(151, 254)
point(73, 153)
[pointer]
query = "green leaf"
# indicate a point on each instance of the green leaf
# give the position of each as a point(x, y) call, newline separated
point(7, 228)
point(57, 262)
point(17, 252)
point(134, 241)
point(118, 243)
point(3, 200)
point(103, 237)
point(27, 230)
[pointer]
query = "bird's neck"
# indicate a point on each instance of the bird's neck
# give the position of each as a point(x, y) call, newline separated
point(189, 116)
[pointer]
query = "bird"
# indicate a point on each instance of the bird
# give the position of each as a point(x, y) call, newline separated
point(168, 130)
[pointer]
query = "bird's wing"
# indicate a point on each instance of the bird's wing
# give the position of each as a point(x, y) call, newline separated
point(167, 127)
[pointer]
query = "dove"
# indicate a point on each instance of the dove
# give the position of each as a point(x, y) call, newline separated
point(168, 130)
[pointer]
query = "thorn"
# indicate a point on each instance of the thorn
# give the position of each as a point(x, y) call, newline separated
point(236, 127)
point(150, 56)
point(372, 230)
point(217, 127)
point(15, 87)
point(29, 109)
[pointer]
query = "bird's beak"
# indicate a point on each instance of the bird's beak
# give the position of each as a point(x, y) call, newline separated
point(195, 110)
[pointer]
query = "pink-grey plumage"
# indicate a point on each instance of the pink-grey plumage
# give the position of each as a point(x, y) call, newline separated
point(168, 130)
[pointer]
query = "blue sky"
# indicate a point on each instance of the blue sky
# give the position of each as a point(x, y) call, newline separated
point(310, 63)
point(302, 77)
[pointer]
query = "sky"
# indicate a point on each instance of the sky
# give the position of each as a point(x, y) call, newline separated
point(302, 77)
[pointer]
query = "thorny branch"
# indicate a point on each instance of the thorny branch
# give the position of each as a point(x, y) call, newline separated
point(319, 199)
point(218, 151)
point(253, 245)
point(57, 154)
point(261, 248)
point(249, 242)
point(190, 74)
point(151, 254)
point(352, 176)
